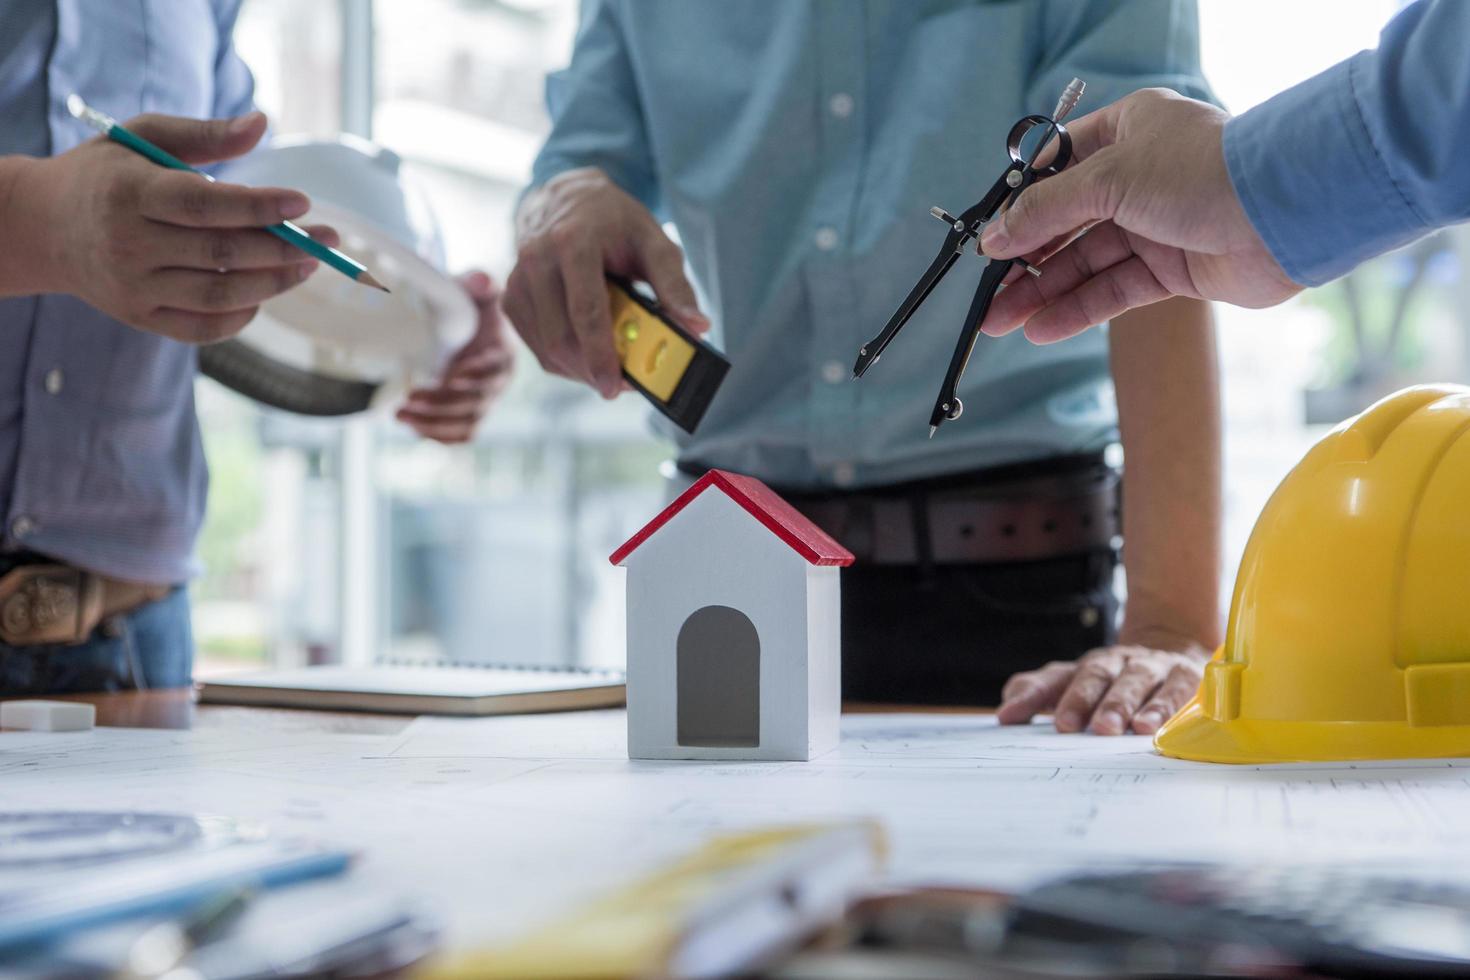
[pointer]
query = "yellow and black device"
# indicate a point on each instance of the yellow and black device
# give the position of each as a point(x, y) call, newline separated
point(675, 370)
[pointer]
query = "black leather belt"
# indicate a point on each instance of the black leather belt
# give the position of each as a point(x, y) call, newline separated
point(1027, 512)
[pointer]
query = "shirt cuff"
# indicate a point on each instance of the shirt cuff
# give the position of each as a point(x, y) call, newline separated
point(1311, 181)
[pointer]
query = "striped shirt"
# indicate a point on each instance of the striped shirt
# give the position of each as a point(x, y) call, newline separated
point(101, 462)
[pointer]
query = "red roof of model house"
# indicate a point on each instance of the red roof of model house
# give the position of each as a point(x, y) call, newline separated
point(762, 503)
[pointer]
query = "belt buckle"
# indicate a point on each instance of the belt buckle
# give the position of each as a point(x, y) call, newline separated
point(41, 604)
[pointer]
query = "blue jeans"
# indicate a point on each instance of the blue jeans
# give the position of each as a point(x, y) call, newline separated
point(152, 646)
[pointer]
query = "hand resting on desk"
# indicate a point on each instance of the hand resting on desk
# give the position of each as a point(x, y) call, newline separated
point(1109, 691)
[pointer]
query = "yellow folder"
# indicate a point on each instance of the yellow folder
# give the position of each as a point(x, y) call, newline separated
point(724, 908)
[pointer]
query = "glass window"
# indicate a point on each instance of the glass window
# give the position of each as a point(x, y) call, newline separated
point(499, 552)
point(268, 592)
point(493, 552)
point(294, 50)
point(1293, 371)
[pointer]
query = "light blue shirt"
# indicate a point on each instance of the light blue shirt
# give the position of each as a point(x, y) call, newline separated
point(1367, 156)
point(797, 147)
point(101, 462)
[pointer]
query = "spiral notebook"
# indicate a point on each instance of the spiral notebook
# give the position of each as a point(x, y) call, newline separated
point(422, 689)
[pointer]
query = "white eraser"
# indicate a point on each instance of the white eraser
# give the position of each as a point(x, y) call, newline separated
point(47, 716)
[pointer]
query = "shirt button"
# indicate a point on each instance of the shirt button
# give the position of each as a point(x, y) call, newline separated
point(841, 105)
point(22, 527)
point(834, 372)
point(54, 381)
point(826, 239)
point(843, 474)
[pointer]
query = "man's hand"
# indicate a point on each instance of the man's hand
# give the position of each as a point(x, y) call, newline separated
point(570, 233)
point(1149, 193)
point(475, 376)
point(1109, 691)
point(162, 250)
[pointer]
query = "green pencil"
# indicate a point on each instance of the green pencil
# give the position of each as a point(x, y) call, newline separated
point(286, 231)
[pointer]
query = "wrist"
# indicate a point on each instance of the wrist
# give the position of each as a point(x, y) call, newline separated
point(1158, 634)
point(1182, 617)
point(540, 203)
point(27, 265)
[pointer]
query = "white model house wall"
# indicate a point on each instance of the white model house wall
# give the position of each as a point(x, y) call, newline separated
point(824, 650)
point(715, 553)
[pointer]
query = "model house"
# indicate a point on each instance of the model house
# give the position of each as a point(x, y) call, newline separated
point(733, 627)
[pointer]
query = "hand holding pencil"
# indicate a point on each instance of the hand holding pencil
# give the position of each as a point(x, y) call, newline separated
point(163, 250)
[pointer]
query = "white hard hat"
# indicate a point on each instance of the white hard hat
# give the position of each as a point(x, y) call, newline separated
point(332, 346)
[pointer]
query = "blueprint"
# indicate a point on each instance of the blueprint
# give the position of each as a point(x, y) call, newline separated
point(505, 822)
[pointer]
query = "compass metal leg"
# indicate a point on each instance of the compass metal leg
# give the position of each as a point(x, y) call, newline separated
point(870, 352)
point(947, 406)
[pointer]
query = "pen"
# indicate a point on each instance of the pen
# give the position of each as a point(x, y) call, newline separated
point(162, 949)
point(288, 232)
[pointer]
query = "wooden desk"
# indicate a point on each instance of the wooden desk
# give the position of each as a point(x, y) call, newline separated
point(179, 708)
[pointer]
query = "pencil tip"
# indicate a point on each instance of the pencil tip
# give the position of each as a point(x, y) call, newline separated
point(933, 429)
point(367, 279)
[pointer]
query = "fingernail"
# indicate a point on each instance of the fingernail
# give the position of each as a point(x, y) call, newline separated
point(1069, 721)
point(994, 238)
point(305, 269)
point(1107, 723)
point(1148, 721)
point(294, 206)
point(993, 330)
point(243, 124)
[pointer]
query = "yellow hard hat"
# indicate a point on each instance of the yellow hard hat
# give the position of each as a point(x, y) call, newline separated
point(1349, 633)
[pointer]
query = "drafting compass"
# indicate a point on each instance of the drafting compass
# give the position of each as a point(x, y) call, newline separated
point(1021, 173)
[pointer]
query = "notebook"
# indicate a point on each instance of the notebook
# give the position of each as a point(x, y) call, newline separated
point(422, 689)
